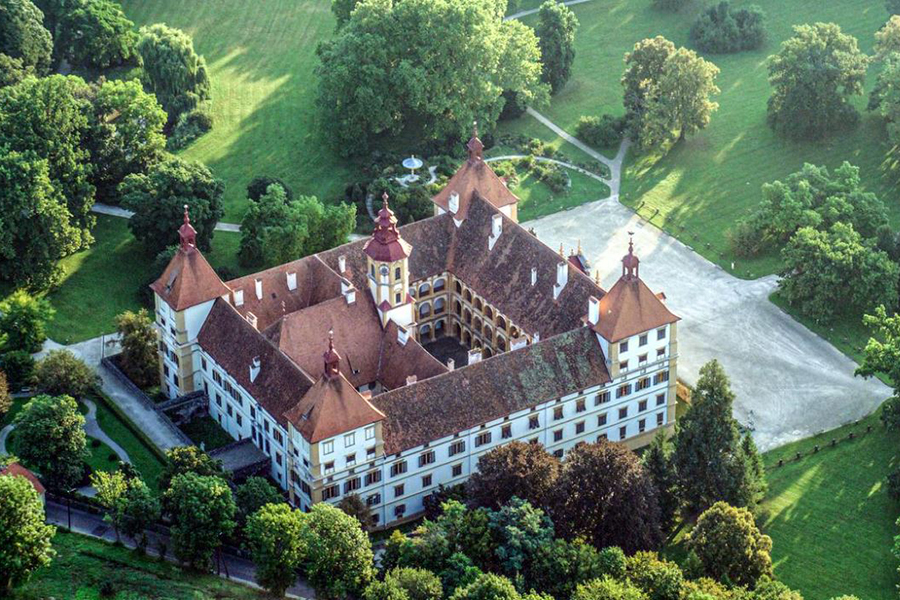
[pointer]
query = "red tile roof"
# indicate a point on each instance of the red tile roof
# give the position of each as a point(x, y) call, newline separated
point(474, 177)
point(188, 280)
point(331, 407)
point(630, 308)
point(385, 244)
point(15, 469)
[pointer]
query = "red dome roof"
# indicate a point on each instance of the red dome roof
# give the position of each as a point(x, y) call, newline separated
point(386, 245)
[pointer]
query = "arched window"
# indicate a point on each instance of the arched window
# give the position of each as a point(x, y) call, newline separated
point(501, 323)
point(488, 332)
point(477, 324)
point(467, 316)
point(439, 306)
point(459, 288)
point(478, 304)
point(457, 307)
point(486, 352)
point(501, 343)
point(424, 309)
point(424, 289)
point(488, 313)
point(439, 285)
point(468, 296)
point(424, 331)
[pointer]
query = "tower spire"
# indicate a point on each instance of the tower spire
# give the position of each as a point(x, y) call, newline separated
point(475, 147)
point(187, 233)
point(331, 358)
point(630, 262)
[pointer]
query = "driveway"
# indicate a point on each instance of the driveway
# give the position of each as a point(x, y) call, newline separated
point(790, 383)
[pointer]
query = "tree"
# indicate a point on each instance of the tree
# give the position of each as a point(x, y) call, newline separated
point(36, 231)
point(275, 537)
point(139, 509)
point(13, 70)
point(658, 579)
point(276, 230)
point(202, 510)
point(559, 567)
point(5, 396)
point(885, 96)
point(341, 10)
point(61, 372)
point(23, 36)
point(23, 320)
point(834, 272)
point(158, 198)
point(644, 66)
point(25, 541)
point(339, 553)
point(110, 489)
point(882, 352)
point(556, 39)
point(445, 61)
point(50, 117)
point(721, 30)
point(188, 459)
point(172, 69)
point(459, 571)
point(514, 469)
point(813, 78)
point(487, 587)
point(357, 508)
point(260, 184)
point(19, 368)
point(418, 584)
point(887, 39)
point(729, 545)
point(709, 457)
point(520, 529)
point(604, 495)
point(657, 461)
point(51, 438)
point(253, 494)
point(96, 34)
point(607, 588)
point(138, 339)
point(128, 135)
point(385, 590)
point(893, 6)
point(679, 100)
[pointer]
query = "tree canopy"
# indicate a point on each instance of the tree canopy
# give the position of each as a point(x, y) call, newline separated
point(23, 35)
point(429, 66)
point(339, 553)
point(173, 71)
point(96, 34)
point(813, 78)
point(138, 339)
point(275, 536)
point(721, 30)
point(519, 469)
point(51, 437)
point(61, 372)
point(887, 39)
point(25, 541)
point(202, 509)
point(188, 459)
point(23, 321)
point(556, 38)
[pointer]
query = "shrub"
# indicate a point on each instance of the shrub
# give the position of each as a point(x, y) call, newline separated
point(61, 372)
point(890, 413)
point(190, 126)
point(259, 184)
point(19, 368)
point(721, 30)
point(602, 132)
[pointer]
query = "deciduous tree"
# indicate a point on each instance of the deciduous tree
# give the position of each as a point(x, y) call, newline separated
point(658, 579)
point(173, 71)
point(158, 198)
point(96, 34)
point(5, 396)
point(275, 537)
point(418, 584)
point(605, 496)
point(23, 35)
point(253, 494)
point(24, 538)
point(260, 184)
point(339, 553)
point(487, 587)
point(138, 340)
point(202, 510)
point(341, 10)
point(607, 588)
point(50, 431)
point(814, 76)
point(729, 545)
point(721, 30)
point(61, 372)
point(520, 530)
point(514, 469)
point(357, 508)
point(139, 509)
point(559, 567)
point(657, 461)
point(189, 459)
point(556, 38)
point(644, 66)
point(887, 39)
point(23, 321)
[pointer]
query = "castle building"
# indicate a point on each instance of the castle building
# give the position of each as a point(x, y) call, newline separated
point(385, 367)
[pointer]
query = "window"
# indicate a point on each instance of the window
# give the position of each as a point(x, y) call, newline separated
point(642, 406)
point(623, 347)
point(623, 365)
point(557, 413)
point(558, 453)
point(329, 468)
point(642, 384)
point(579, 405)
point(398, 468)
point(427, 458)
point(370, 432)
point(534, 422)
point(659, 419)
point(457, 447)
point(352, 485)
point(642, 359)
point(373, 477)
point(602, 436)
point(660, 377)
point(278, 437)
point(642, 425)
point(623, 390)
point(399, 510)
point(373, 500)
point(506, 432)
point(426, 481)
point(601, 420)
point(240, 421)
point(623, 412)
point(579, 427)
point(266, 428)
point(396, 273)
point(217, 377)
point(397, 298)
point(218, 399)
point(370, 453)
point(660, 399)
point(330, 492)
point(622, 433)
point(349, 440)
point(398, 490)
point(252, 413)
point(278, 458)
point(483, 438)
point(203, 363)
point(642, 341)
point(327, 447)
point(351, 459)
point(558, 435)
point(661, 333)
point(601, 398)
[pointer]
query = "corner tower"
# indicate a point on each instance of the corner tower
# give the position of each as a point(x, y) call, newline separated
point(387, 258)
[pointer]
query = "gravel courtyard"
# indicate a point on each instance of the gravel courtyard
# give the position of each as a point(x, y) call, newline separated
point(790, 383)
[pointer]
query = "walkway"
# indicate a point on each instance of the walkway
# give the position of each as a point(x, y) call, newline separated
point(115, 211)
point(92, 428)
point(4, 433)
point(560, 163)
point(532, 11)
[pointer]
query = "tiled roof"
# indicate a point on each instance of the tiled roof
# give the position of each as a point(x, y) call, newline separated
point(330, 408)
point(188, 280)
point(14, 469)
point(474, 177)
point(489, 390)
point(630, 308)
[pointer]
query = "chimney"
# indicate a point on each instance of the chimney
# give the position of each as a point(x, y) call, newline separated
point(533, 276)
point(342, 263)
point(348, 291)
point(251, 318)
point(411, 379)
point(496, 230)
point(292, 281)
point(562, 277)
point(259, 289)
point(536, 337)
point(474, 356)
point(254, 369)
point(238, 297)
point(593, 310)
point(402, 335)
point(453, 204)
point(451, 364)
point(518, 342)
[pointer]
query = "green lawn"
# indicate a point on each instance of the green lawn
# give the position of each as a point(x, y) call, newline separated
point(206, 431)
point(261, 57)
point(144, 459)
point(82, 564)
point(702, 187)
point(536, 199)
point(831, 521)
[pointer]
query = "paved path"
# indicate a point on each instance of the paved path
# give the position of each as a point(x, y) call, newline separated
point(85, 523)
point(115, 211)
point(92, 428)
point(532, 11)
point(553, 161)
point(4, 433)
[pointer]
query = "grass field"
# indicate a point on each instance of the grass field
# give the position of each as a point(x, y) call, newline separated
point(829, 516)
point(82, 564)
point(207, 433)
point(702, 187)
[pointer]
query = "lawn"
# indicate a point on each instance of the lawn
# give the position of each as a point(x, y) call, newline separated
point(82, 564)
point(703, 186)
point(536, 199)
point(142, 456)
point(261, 57)
point(206, 431)
point(829, 516)
point(105, 280)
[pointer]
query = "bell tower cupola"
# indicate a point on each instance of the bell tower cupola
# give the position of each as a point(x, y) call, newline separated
point(387, 257)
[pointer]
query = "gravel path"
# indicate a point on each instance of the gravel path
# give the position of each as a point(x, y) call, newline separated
point(532, 11)
point(116, 211)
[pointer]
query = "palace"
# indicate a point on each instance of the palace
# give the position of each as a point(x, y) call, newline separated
point(386, 367)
